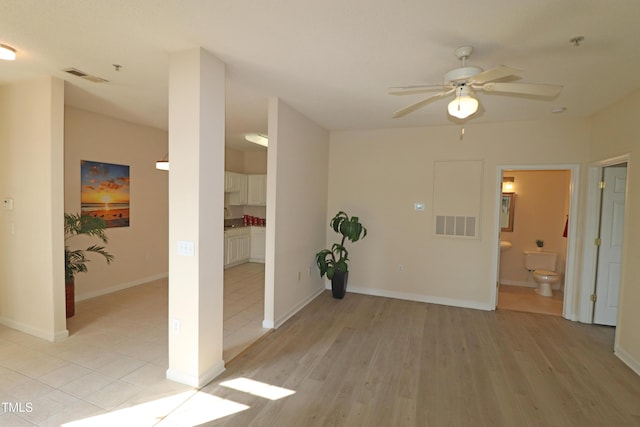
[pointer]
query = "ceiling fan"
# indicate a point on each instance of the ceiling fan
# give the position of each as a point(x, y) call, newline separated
point(464, 81)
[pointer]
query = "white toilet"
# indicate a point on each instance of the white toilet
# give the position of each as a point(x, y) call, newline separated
point(543, 265)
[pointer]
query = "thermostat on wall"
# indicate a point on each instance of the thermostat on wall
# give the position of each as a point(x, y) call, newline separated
point(418, 206)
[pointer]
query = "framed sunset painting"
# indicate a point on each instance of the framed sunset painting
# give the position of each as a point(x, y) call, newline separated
point(105, 192)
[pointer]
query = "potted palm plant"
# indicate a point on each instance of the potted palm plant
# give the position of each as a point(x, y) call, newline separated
point(333, 262)
point(75, 260)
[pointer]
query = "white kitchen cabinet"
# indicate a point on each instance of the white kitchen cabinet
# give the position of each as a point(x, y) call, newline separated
point(231, 182)
point(258, 244)
point(237, 246)
point(238, 198)
point(257, 190)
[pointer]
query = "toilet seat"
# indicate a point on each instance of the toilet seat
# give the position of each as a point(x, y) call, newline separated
point(543, 273)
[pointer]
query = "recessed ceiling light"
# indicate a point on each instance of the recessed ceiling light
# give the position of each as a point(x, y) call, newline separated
point(559, 110)
point(7, 52)
point(257, 138)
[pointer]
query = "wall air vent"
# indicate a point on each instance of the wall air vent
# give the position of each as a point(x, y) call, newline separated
point(82, 74)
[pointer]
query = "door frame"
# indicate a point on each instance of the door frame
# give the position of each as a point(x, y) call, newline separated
point(570, 275)
point(592, 225)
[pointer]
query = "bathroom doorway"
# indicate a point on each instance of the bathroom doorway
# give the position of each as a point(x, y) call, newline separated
point(542, 199)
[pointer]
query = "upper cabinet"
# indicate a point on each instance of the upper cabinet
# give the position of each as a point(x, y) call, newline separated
point(232, 182)
point(239, 197)
point(257, 190)
point(245, 190)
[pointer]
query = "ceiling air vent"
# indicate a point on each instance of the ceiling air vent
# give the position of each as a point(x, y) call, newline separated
point(82, 74)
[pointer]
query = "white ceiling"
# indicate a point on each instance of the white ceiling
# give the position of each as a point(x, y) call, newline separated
point(332, 60)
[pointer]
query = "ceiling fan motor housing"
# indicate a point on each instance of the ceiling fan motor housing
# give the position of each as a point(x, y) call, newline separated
point(461, 73)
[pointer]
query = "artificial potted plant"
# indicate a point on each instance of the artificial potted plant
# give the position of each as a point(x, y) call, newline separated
point(75, 260)
point(539, 245)
point(333, 262)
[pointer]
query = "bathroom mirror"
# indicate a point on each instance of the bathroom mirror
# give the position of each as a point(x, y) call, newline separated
point(506, 211)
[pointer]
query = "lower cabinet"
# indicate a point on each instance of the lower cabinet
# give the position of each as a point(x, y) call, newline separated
point(237, 246)
point(244, 244)
point(258, 244)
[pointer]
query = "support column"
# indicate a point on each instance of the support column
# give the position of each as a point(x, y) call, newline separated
point(196, 216)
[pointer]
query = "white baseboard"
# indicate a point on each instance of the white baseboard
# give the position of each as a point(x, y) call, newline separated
point(294, 310)
point(196, 381)
point(627, 359)
point(268, 324)
point(111, 289)
point(54, 336)
point(417, 297)
point(518, 283)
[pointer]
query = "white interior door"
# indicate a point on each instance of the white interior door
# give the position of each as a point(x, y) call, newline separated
point(605, 311)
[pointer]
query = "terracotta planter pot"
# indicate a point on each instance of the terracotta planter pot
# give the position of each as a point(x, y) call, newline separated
point(70, 295)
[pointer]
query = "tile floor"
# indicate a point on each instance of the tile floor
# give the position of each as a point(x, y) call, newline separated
point(520, 298)
point(115, 356)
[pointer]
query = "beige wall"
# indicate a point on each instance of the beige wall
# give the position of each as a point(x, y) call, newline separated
point(380, 174)
point(140, 250)
point(541, 208)
point(233, 160)
point(614, 134)
point(248, 162)
point(296, 211)
point(31, 235)
point(255, 162)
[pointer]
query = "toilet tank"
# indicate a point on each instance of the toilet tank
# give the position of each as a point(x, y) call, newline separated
point(534, 260)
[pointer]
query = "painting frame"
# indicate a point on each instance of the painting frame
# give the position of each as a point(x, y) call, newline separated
point(104, 192)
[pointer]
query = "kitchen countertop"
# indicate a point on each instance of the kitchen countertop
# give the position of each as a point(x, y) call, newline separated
point(231, 227)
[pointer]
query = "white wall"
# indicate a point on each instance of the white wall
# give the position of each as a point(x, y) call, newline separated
point(140, 250)
point(615, 134)
point(296, 211)
point(31, 235)
point(379, 175)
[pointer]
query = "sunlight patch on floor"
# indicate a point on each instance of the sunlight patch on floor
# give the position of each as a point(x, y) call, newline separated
point(258, 388)
point(200, 409)
point(193, 409)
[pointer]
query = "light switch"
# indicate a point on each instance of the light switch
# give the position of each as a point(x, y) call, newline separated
point(7, 204)
point(186, 248)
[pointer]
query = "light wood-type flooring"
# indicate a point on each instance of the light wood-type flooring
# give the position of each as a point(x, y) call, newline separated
point(360, 361)
point(371, 361)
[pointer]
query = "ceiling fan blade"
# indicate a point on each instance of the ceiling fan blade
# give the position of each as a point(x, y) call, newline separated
point(412, 90)
point(522, 88)
point(413, 107)
point(495, 73)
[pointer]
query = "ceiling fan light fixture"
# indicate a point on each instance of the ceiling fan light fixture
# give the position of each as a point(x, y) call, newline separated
point(463, 106)
point(7, 52)
point(163, 164)
point(257, 138)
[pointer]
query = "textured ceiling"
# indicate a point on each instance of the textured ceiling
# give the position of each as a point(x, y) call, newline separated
point(332, 60)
